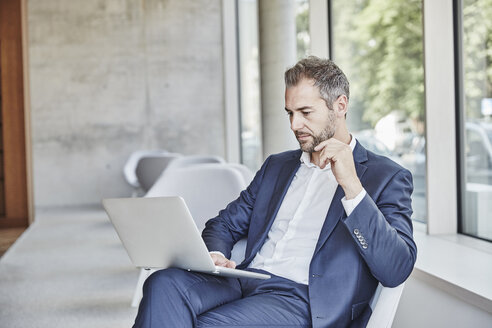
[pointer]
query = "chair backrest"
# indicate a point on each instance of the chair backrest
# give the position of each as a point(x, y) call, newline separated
point(131, 164)
point(206, 188)
point(384, 304)
point(149, 168)
point(189, 160)
point(247, 174)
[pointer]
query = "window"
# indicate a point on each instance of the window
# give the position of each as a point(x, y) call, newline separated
point(474, 29)
point(249, 63)
point(379, 46)
point(250, 102)
point(302, 28)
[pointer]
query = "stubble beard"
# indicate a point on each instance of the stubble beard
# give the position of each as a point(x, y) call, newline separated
point(309, 146)
point(327, 133)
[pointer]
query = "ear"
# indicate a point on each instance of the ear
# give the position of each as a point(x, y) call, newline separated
point(341, 106)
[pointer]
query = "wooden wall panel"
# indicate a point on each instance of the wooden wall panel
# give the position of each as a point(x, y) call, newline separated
point(13, 126)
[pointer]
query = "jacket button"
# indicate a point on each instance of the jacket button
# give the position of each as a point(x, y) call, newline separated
point(356, 232)
point(364, 246)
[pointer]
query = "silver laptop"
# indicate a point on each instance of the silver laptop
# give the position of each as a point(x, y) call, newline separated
point(160, 233)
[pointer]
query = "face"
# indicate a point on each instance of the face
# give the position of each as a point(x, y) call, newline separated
point(310, 118)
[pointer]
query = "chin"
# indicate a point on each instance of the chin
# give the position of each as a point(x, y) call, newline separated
point(308, 148)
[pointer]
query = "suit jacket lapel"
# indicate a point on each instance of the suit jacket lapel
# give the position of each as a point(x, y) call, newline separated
point(336, 211)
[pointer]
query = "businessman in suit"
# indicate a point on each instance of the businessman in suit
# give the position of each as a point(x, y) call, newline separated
point(328, 222)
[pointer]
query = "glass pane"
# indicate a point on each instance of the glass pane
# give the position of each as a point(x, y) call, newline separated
point(250, 102)
point(251, 152)
point(302, 28)
point(477, 89)
point(379, 46)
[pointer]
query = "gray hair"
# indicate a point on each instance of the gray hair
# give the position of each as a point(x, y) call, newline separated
point(327, 76)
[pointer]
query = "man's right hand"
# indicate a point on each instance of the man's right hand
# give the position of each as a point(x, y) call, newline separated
point(220, 260)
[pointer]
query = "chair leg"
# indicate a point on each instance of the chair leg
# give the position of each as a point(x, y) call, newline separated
point(137, 295)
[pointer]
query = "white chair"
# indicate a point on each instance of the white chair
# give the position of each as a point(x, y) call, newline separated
point(131, 165)
point(155, 167)
point(247, 174)
point(384, 304)
point(206, 188)
point(150, 167)
point(195, 159)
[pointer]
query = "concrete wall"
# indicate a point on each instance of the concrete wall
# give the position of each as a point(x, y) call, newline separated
point(112, 76)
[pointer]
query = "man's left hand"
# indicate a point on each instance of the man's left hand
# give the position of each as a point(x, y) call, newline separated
point(341, 159)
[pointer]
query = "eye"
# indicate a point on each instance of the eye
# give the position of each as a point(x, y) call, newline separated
point(289, 113)
point(306, 113)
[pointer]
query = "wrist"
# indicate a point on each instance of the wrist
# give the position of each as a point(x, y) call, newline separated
point(352, 190)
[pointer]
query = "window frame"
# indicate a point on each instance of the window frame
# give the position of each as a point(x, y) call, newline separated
point(460, 119)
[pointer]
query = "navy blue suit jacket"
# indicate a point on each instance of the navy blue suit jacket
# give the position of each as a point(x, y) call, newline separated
point(343, 275)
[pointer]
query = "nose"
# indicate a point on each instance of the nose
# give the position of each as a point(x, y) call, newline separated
point(296, 122)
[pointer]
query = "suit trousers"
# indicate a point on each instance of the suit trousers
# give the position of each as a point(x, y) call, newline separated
point(178, 298)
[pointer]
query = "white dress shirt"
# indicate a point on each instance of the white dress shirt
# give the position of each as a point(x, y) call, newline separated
point(291, 241)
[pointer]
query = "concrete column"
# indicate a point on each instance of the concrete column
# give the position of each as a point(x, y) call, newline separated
point(277, 52)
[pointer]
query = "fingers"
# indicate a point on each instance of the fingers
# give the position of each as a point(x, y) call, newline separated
point(220, 260)
point(323, 160)
point(227, 264)
point(331, 143)
point(328, 151)
point(320, 146)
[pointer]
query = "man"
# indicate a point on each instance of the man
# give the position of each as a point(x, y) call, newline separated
point(328, 221)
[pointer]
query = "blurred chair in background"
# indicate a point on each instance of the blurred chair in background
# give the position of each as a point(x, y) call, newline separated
point(247, 174)
point(129, 170)
point(150, 167)
point(189, 160)
point(206, 188)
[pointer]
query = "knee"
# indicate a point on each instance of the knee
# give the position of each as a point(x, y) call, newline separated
point(163, 278)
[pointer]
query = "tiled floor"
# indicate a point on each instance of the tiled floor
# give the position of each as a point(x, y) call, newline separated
point(8, 237)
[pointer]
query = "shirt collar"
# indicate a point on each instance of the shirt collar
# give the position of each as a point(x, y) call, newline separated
point(306, 157)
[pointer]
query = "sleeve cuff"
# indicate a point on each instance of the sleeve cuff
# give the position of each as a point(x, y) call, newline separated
point(351, 204)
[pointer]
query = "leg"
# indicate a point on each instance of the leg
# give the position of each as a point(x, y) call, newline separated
point(137, 295)
point(275, 302)
point(264, 310)
point(174, 297)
